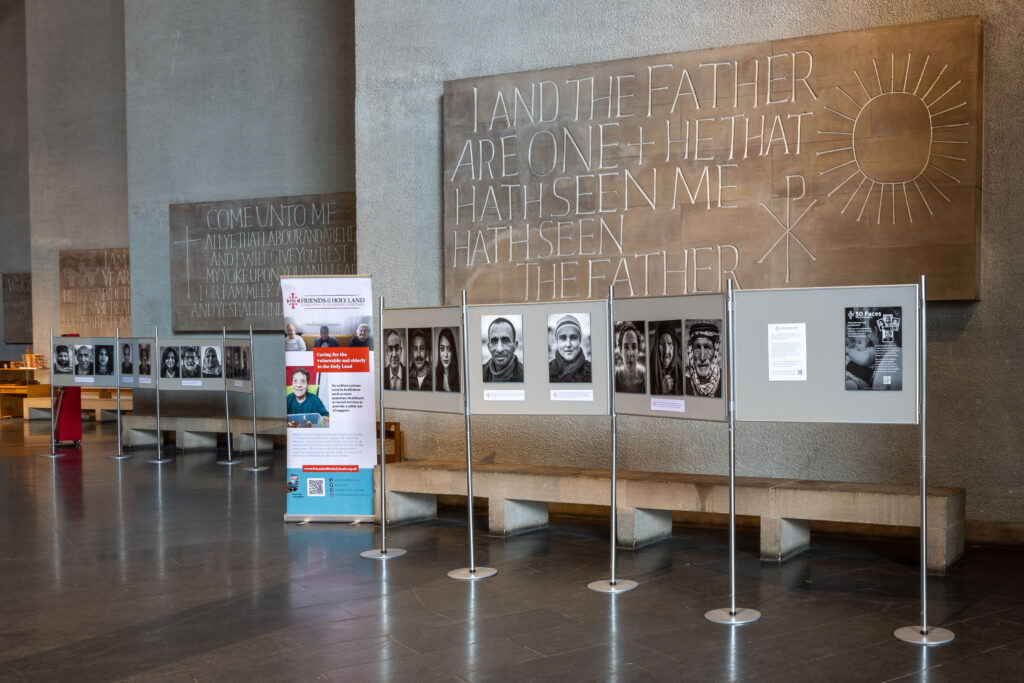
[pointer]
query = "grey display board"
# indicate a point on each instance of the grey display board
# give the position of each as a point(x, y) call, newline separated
point(692, 383)
point(406, 328)
point(547, 386)
point(147, 363)
point(194, 363)
point(83, 362)
point(17, 308)
point(237, 363)
point(822, 395)
point(227, 257)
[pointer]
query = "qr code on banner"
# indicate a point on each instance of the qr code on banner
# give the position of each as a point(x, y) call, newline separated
point(315, 487)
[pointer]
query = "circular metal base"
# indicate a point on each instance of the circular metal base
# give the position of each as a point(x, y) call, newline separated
point(52, 455)
point(228, 462)
point(256, 469)
point(934, 636)
point(118, 457)
point(467, 574)
point(160, 461)
point(724, 616)
point(606, 586)
point(381, 554)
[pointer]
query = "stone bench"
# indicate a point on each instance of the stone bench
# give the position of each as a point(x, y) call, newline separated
point(518, 497)
point(103, 409)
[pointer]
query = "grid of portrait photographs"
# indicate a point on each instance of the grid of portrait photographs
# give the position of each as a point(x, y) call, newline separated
point(569, 348)
point(422, 359)
point(502, 348)
point(685, 357)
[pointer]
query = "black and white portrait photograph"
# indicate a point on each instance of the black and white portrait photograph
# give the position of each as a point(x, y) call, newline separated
point(502, 352)
point(394, 359)
point(169, 362)
point(243, 366)
point(83, 359)
point(61, 360)
point(420, 374)
point(704, 358)
point(666, 357)
point(447, 372)
point(104, 359)
point(874, 349)
point(145, 367)
point(127, 366)
point(190, 362)
point(569, 348)
point(211, 362)
point(630, 357)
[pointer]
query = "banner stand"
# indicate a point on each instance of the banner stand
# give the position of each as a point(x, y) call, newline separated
point(227, 409)
point(612, 585)
point(472, 572)
point(923, 634)
point(159, 459)
point(120, 452)
point(732, 615)
point(53, 411)
point(382, 553)
point(256, 467)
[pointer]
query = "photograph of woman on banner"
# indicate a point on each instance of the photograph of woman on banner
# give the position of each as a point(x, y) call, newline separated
point(667, 366)
point(568, 345)
point(211, 362)
point(83, 356)
point(630, 357)
point(704, 358)
point(169, 362)
point(419, 360)
point(300, 398)
point(447, 374)
point(105, 360)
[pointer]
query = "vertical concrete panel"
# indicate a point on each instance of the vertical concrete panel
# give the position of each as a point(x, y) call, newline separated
point(402, 60)
point(231, 100)
point(75, 63)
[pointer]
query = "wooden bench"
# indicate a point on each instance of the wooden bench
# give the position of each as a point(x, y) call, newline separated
point(518, 497)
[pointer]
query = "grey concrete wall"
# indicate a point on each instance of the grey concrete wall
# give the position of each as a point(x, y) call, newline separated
point(76, 140)
point(405, 52)
point(14, 222)
point(231, 100)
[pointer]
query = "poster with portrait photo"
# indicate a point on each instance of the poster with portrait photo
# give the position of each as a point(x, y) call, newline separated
point(190, 363)
point(502, 348)
point(395, 377)
point(630, 356)
point(420, 360)
point(145, 359)
point(127, 358)
point(569, 350)
point(62, 355)
point(703, 371)
point(170, 362)
point(104, 362)
point(212, 366)
point(447, 375)
point(666, 367)
point(83, 360)
point(874, 349)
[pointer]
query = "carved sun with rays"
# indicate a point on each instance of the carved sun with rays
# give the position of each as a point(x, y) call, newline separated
point(898, 140)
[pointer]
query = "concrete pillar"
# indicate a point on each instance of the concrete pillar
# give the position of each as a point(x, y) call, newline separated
point(510, 517)
point(783, 538)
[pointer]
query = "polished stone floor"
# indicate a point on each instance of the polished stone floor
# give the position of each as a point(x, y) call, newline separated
point(126, 570)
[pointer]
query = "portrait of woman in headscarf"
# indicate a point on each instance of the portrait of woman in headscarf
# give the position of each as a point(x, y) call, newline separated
point(569, 362)
point(667, 366)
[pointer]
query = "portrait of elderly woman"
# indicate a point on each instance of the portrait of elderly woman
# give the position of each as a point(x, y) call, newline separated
point(666, 369)
point(630, 357)
point(704, 358)
point(211, 362)
point(568, 348)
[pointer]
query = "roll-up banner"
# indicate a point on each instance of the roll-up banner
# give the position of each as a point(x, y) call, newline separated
point(330, 398)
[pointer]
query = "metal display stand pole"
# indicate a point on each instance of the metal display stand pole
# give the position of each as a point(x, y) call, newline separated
point(53, 410)
point(612, 585)
point(117, 343)
point(382, 553)
point(159, 459)
point(471, 572)
point(227, 409)
point(924, 634)
point(732, 615)
point(252, 384)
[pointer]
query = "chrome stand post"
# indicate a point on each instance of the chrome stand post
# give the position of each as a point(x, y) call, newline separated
point(256, 467)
